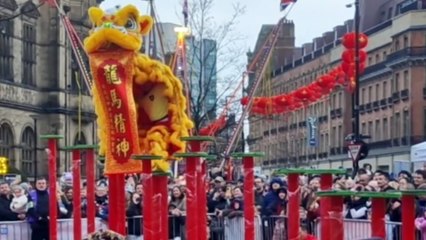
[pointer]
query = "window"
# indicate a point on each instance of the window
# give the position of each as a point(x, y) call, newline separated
point(377, 134)
point(406, 124)
point(384, 55)
point(340, 99)
point(370, 61)
point(397, 47)
point(340, 137)
point(363, 128)
point(390, 11)
point(81, 139)
point(327, 142)
point(406, 80)
point(28, 153)
point(377, 58)
point(334, 137)
point(28, 54)
point(334, 101)
point(406, 42)
point(363, 99)
point(6, 53)
point(370, 94)
point(396, 83)
point(6, 143)
point(377, 92)
point(385, 89)
point(370, 128)
point(397, 126)
point(385, 129)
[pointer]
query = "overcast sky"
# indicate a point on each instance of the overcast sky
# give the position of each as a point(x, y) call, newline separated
point(329, 13)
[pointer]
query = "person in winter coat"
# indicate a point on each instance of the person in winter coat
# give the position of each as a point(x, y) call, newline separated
point(38, 210)
point(270, 207)
point(420, 224)
point(272, 200)
point(5, 199)
point(133, 214)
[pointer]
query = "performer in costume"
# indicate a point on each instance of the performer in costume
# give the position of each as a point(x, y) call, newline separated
point(140, 104)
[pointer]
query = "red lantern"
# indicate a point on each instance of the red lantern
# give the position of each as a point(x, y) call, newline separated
point(349, 68)
point(349, 56)
point(326, 83)
point(281, 100)
point(348, 40)
point(302, 94)
point(244, 101)
point(264, 102)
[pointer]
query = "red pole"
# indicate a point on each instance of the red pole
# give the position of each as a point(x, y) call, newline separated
point(326, 184)
point(249, 233)
point(147, 200)
point(378, 212)
point(161, 207)
point(91, 211)
point(192, 225)
point(293, 206)
point(408, 216)
point(202, 193)
point(335, 218)
point(117, 204)
point(76, 198)
point(53, 211)
point(201, 196)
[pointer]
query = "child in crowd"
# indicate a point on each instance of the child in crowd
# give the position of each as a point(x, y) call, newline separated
point(19, 201)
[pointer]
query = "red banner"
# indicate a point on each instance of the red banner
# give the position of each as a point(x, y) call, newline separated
point(113, 81)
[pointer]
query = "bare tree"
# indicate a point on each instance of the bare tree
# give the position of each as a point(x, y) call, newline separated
point(215, 61)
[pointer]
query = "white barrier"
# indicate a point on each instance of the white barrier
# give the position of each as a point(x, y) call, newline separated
point(21, 230)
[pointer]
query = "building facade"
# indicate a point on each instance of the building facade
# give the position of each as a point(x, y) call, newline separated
point(392, 98)
point(39, 93)
point(202, 67)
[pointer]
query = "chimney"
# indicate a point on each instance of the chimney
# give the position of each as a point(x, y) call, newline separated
point(328, 37)
point(307, 48)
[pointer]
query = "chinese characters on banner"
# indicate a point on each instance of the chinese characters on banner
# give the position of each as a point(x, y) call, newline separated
point(114, 84)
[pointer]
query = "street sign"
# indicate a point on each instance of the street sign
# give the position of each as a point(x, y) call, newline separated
point(354, 151)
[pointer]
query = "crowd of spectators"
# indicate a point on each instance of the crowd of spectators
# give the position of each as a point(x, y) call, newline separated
point(22, 201)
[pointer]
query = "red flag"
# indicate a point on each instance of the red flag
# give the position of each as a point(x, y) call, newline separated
point(285, 3)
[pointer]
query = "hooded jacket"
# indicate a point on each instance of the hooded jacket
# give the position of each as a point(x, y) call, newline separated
point(272, 201)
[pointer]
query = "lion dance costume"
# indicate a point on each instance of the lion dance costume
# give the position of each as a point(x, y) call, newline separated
point(139, 102)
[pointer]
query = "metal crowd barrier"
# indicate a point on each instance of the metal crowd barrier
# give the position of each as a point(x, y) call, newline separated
point(355, 229)
point(21, 230)
point(266, 228)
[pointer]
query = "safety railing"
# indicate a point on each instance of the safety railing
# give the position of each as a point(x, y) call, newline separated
point(21, 230)
point(219, 228)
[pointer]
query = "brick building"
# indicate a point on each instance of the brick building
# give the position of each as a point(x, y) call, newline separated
point(392, 93)
point(38, 90)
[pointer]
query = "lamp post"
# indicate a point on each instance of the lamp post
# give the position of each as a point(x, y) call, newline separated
point(356, 138)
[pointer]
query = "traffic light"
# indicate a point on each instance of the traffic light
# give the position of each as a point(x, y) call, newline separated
point(3, 165)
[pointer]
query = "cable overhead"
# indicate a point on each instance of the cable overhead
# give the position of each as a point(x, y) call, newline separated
point(22, 12)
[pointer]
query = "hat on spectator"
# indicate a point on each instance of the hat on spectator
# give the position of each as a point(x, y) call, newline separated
point(25, 186)
point(219, 179)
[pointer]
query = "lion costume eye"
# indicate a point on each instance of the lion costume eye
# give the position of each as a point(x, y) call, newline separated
point(130, 24)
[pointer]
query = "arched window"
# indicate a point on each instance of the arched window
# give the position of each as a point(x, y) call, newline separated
point(80, 139)
point(28, 152)
point(6, 143)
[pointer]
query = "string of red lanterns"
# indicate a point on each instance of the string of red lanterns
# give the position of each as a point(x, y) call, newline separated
point(342, 75)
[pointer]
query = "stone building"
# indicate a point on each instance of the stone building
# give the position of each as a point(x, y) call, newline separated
point(392, 93)
point(39, 93)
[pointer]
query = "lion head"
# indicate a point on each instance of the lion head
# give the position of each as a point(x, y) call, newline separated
point(121, 29)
